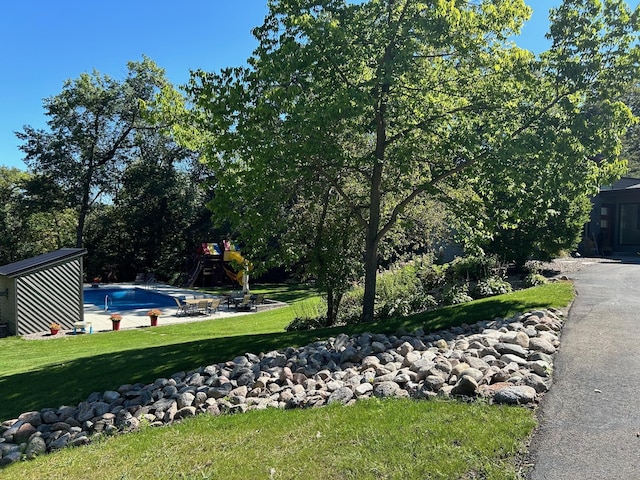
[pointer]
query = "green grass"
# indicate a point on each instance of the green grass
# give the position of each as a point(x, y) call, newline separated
point(391, 439)
point(394, 439)
point(70, 368)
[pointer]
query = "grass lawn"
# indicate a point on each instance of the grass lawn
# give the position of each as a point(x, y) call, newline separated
point(37, 374)
point(391, 439)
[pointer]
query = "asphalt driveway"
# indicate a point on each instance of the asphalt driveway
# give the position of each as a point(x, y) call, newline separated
point(590, 419)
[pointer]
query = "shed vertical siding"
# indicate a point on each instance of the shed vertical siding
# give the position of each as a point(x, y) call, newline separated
point(7, 303)
point(50, 295)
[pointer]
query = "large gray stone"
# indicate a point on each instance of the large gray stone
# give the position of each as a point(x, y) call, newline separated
point(510, 349)
point(184, 413)
point(341, 395)
point(515, 395)
point(110, 396)
point(466, 386)
point(10, 458)
point(385, 389)
point(23, 433)
point(185, 400)
point(511, 358)
point(536, 382)
point(542, 345)
point(36, 447)
point(516, 338)
point(34, 418)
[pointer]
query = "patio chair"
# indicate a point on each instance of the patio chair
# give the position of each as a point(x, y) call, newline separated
point(213, 305)
point(183, 308)
point(259, 300)
point(203, 306)
point(245, 304)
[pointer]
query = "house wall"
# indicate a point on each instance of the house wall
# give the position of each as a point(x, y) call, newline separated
point(52, 294)
point(615, 221)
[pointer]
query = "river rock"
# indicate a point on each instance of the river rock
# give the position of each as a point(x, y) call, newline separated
point(509, 360)
point(466, 386)
point(515, 395)
point(386, 389)
point(542, 345)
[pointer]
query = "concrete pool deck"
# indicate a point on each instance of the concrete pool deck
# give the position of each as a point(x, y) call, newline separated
point(100, 322)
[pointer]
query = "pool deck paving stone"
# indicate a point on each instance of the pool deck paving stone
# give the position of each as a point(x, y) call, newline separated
point(99, 319)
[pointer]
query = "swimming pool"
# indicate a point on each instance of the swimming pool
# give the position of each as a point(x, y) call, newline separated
point(120, 299)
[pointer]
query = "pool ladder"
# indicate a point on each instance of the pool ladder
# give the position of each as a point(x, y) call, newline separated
point(107, 301)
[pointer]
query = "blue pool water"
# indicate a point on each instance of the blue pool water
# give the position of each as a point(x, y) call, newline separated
point(119, 299)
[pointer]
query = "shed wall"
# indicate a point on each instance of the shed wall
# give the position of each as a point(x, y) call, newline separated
point(8, 304)
point(53, 294)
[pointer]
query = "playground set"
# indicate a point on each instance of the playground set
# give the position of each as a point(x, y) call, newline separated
point(216, 264)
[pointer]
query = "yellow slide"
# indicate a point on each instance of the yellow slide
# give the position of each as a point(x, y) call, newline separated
point(234, 256)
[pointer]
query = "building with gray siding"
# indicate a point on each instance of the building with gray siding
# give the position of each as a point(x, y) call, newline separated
point(38, 291)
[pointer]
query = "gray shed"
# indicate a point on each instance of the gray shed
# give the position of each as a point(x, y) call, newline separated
point(43, 289)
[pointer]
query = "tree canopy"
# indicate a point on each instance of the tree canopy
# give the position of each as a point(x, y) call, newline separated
point(92, 124)
point(387, 103)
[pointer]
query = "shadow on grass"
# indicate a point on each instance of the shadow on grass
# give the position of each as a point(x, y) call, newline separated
point(70, 383)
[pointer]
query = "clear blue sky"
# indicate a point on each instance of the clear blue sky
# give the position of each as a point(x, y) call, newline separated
point(45, 42)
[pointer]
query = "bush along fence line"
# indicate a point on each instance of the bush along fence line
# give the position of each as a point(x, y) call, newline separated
point(508, 361)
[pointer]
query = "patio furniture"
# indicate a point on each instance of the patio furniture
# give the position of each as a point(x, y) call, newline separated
point(258, 300)
point(202, 306)
point(183, 307)
point(213, 305)
point(245, 303)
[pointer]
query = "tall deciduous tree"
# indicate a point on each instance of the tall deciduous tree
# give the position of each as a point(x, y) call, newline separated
point(91, 123)
point(391, 102)
point(631, 143)
point(12, 183)
point(32, 222)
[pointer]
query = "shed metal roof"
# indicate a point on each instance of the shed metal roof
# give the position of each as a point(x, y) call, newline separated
point(41, 261)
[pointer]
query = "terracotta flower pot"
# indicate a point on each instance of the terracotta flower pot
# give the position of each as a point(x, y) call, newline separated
point(154, 320)
point(115, 324)
point(54, 331)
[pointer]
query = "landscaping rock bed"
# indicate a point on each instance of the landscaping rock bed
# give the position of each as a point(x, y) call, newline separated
point(504, 360)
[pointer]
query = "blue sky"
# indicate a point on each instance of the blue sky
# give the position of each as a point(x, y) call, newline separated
point(45, 42)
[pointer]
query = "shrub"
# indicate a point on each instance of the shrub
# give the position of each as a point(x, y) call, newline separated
point(492, 286)
point(473, 267)
point(397, 291)
point(455, 294)
point(350, 309)
point(432, 276)
point(306, 323)
point(308, 317)
point(533, 266)
point(533, 280)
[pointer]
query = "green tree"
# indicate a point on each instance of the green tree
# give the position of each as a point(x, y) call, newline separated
point(34, 223)
point(90, 139)
point(534, 200)
point(11, 193)
point(631, 142)
point(391, 102)
point(157, 216)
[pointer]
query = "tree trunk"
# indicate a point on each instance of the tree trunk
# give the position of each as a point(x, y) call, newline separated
point(370, 273)
point(331, 320)
point(371, 247)
point(82, 214)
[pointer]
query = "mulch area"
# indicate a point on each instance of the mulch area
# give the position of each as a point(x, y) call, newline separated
point(48, 336)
